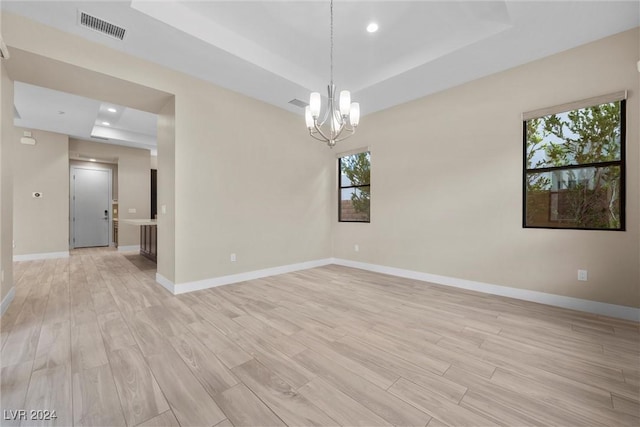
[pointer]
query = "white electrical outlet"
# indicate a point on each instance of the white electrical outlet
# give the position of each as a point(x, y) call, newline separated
point(163, 208)
point(132, 210)
point(233, 257)
point(13, 244)
point(582, 275)
point(356, 248)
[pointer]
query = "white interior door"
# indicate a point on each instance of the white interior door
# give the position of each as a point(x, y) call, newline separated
point(91, 200)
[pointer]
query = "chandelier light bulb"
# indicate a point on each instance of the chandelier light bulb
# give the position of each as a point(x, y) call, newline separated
point(354, 114)
point(314, 104)
point(345, 103)
point(308, 117)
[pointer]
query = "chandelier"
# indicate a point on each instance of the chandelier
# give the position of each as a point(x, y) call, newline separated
point(340, 119)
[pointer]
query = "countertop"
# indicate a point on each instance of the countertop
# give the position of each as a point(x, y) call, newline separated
point(139, 221)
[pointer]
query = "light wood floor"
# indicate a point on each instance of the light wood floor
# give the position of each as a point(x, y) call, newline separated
point(94, 338)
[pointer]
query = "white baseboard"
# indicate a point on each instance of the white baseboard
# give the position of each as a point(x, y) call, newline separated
point(130, 248)
point(166, 283)
point(213, 282)
point(46, 255)
point(6, 301)
point(595, 307)
point(605, 309)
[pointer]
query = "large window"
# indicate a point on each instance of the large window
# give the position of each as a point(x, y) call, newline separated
point(574, 166)
point(354, 187)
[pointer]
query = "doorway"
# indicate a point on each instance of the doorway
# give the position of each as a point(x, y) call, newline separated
point(90, 207)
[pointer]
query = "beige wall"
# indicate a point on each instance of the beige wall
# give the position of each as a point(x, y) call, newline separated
point(6, 182)
point(134, 183)
point(40, 225)
point(166, 191)
point(262, 191)
point(447, 182)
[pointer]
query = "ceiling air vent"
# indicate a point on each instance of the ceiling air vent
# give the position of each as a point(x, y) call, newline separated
point(100, 25)
point(298, 103)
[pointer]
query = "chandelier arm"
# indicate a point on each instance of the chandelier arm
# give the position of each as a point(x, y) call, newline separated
point(341, 120)
point(314, 136)
point(339, 132)
point(315, 124)
point(324, 119)
point(349, 128)
point(351, 132)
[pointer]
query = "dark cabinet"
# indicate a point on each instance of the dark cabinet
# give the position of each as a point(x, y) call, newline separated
point(149, 242)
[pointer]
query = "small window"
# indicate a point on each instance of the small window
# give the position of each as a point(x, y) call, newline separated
point(574, 168)
point(354, 187)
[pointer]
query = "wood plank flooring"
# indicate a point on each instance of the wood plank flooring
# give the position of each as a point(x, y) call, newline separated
point(94, 338)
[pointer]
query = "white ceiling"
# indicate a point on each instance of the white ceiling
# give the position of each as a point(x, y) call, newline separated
point(292, 39)
point(276, 51)
point(83, 118)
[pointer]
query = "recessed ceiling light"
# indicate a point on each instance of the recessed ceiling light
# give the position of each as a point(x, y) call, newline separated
point(112, 110)
point(372, 27)
point(106, 124)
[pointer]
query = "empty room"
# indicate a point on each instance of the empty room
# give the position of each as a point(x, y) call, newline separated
point(332, 212)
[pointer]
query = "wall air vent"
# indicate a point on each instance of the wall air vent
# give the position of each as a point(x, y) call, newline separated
point(298, 103)
point(100, 25)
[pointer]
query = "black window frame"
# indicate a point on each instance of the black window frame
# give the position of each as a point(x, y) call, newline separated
point(621, 163)
point(341, 187)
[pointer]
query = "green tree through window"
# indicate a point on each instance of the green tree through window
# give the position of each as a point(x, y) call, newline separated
point(574, 169)
point(355, 188)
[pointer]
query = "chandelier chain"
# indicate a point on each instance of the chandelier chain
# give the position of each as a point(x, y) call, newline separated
point(331, 54)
